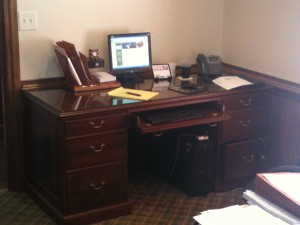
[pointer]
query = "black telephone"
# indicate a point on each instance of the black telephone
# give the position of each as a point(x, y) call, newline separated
point(209, 65)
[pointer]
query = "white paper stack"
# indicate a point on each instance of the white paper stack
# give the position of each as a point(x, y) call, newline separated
point(281, 188)
point(255, 199)
point(103, 77)
point(230, 82)
point(238, 215)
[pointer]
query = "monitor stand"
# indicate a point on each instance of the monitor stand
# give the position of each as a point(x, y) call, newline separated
point(129, 80)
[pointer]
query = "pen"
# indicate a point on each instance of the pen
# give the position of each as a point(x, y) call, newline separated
point(135, 94)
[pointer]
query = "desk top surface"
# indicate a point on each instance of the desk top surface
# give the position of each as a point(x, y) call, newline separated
point(65, 101)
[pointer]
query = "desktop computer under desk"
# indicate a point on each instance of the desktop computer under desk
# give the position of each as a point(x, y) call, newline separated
point(77, 145)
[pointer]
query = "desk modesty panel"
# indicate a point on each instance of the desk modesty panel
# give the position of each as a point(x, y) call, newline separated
point(76, 144)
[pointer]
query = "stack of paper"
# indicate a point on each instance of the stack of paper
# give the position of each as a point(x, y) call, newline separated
point(75, 68)
point(238, 215)
point(103, 77)
point(78, 73)
point(281, 189)
point(255, 199)
point(230, 82)
point(67, 66)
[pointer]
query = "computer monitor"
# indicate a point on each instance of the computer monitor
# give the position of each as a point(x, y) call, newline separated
point(129, 53)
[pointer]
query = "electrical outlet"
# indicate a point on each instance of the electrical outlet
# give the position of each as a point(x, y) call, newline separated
point(27, 20)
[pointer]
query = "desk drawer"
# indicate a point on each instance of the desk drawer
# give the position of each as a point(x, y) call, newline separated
point(95, 149)
point(245, 159)
point(245, 124)
point(245, 101)
point(96, 124)
point(96, 187)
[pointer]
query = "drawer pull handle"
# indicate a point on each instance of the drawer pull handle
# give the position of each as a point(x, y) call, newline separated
point(248, 159)
point(246, 102)
point(244, 123)
point(97, 126)
point(97, 187)
point(262, 158)
point(158, 133)
point(93, 148)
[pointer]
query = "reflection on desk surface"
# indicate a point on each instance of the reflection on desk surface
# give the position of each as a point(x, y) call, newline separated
point(193, 84)
point(83, 100)
point(122, 101)
point(64, 100)
point(160, 85)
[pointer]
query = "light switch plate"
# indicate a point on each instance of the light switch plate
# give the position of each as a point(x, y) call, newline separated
point(27, 20)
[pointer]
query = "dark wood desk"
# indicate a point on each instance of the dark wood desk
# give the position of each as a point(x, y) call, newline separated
point(77, 144)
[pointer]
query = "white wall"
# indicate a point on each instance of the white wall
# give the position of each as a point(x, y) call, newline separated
point(263, 35)
point(179, 28)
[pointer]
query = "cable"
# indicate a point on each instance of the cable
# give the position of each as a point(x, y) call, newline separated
point(177, 152)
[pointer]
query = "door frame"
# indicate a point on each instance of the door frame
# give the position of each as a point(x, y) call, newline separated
point(11, 94)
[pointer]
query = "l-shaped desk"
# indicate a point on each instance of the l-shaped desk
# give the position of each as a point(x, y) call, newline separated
point(77, 144)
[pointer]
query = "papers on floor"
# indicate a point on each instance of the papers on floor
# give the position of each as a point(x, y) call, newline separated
point(237, 215)
point(132, 93)
point(230, 82)
point(254, 199)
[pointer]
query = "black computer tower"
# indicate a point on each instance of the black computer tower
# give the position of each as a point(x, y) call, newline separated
point(185, 157)
point(194, 167)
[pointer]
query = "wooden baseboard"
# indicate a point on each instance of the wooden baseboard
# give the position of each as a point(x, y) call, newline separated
point(273, 81)
point(1, 132)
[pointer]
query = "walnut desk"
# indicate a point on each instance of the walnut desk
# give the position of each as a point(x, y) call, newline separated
point(76, 144)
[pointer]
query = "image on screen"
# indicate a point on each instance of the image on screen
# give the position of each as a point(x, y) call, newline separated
point(129, 53)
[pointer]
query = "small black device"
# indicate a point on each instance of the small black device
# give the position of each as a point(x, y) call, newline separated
point(209, 66)
point(194, 170)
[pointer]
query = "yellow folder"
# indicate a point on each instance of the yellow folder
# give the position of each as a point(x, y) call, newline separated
point(132, 93)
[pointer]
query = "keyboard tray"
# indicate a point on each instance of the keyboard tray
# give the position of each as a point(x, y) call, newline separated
point(206, 113)
point(172, 114)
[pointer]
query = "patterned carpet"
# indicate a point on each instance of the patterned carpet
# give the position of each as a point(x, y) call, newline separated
point(153, 201)
point(18, 209)
point(2, 166)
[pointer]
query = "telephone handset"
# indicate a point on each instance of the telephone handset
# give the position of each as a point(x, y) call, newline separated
point(209, 65)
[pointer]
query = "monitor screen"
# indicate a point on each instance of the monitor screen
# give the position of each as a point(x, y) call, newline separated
point(129, 53)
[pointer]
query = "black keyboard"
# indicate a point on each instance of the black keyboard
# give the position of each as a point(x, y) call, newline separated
point(172, 115)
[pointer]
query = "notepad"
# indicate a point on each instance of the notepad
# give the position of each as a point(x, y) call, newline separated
point(132, 93)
